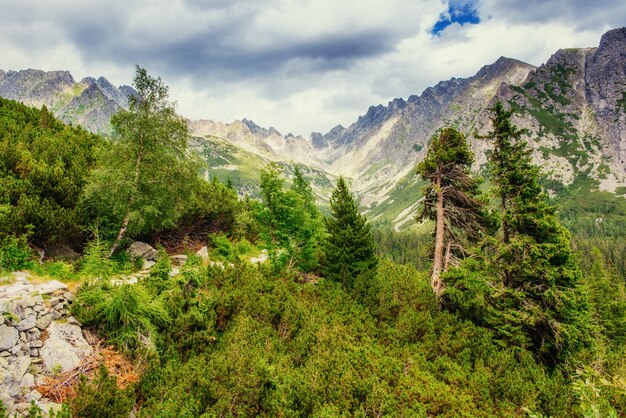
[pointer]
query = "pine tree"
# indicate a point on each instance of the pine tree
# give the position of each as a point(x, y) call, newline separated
point(525, 282)
point(349, 249)
point(451, 199)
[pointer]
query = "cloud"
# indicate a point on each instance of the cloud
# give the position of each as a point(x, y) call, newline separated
point(297, 65)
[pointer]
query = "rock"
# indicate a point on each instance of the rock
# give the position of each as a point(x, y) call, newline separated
point(143, 250)
point(65, 347)
point(21, 276)
point(27, 323)
point(179, 260)
point(3, 364)
point(56, 300)
point(203, 253)
point(43, 321)
point(147, 264)
point(73, 321)
point(62, 252)
point(33, 396)
point(28, 381)
point(174, 272)
point(51, 287)
point(22, 406)
point(4, 306)
point(18, 368)
point(33, 334)
point(16, 289)
point(56, 315)
point(8, 337)
point(47, 406)
point(260, 259)
point(36, 344)
point(34, 352)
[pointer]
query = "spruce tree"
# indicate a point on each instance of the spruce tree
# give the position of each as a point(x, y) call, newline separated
point(349, 250)
point(452, 200)
point(524, 283)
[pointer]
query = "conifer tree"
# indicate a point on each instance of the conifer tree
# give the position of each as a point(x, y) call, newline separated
point(452, 200)
point(525, 281)
point(349, 249)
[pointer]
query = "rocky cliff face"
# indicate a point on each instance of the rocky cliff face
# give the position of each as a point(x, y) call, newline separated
point(89, 103)
point(605, 82)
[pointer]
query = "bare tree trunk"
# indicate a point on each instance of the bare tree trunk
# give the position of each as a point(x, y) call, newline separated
point(448, 256)
point(435, 280)
point(131, 198)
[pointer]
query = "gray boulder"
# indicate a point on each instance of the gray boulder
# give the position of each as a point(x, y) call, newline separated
point(65, 347)
point(143, 250)
point(8, 337)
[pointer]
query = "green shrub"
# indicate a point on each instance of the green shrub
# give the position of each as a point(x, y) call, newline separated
point(96, 262)
point(101, 398)
point(127, 315)
point(60, 270)
point(159, 278)
point(222, 247)
point(243, 247)
point(14, 253)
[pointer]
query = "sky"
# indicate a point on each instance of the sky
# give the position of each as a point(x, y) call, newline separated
point(296, 65)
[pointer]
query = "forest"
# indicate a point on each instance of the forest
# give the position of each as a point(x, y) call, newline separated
point(506, 301)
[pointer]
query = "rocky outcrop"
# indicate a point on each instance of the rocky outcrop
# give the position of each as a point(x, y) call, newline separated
point(38, 337)
point(89, 103)
point(605, 81)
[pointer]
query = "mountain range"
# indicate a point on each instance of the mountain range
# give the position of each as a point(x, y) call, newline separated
point(573, 106)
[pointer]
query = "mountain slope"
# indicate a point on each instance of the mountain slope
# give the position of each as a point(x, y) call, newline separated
point(573, 106)
point(89, 103)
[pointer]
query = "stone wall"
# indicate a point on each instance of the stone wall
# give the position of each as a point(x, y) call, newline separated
point(38, 337)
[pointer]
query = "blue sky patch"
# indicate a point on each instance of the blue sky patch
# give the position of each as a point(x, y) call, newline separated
point(460, 12)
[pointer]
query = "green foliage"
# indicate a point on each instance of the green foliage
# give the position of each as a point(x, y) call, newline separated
point(96, 262)
point(101, 398)
point(126, 314)
point(406, 247)
point(221, 246)
point(159, 277)
point(143, 180)
point(349, 250)
point(244, 343)
point(212, 206)
point(43, 169)
point(14, 253)
point(61, 270)
point(289, 221)
point(524, 283)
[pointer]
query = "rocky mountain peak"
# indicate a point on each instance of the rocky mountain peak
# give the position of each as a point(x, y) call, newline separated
point(89, 103)
point(605, 79)
point(501, 68)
